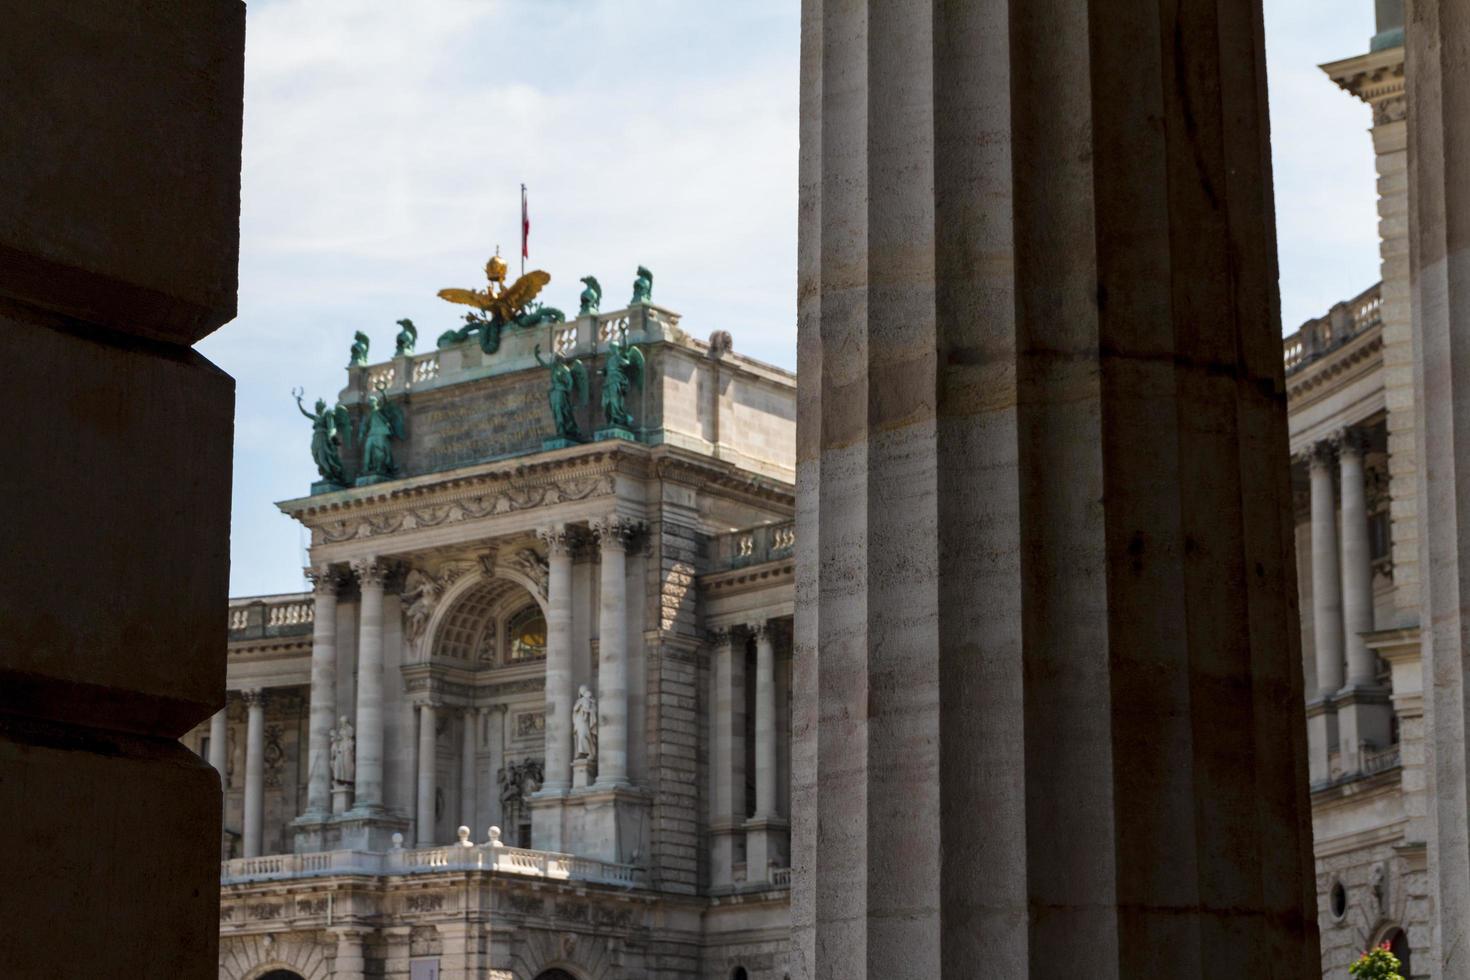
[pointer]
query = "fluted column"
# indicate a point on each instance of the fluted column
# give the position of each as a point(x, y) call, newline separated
point(722, 758)
point(765, 722)
point(368, 785)
point(613, 534)
point(254, 770)
point(428, 773)
point(1060, 726)
point(560, 691)
point(1357, 560)
point(469, 749)
point(1326, 571)
point(219, 742)
point(323, 714)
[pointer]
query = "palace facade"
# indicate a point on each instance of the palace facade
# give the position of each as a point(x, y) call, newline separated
point(533, 720)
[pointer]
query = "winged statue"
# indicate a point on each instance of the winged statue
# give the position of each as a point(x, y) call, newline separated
point(568, 391)
point(382, 423)
point(621, 369)
point(498, 306)
point(329, 428)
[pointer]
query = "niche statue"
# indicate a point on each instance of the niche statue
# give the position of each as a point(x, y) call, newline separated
point(328, 427)
point(568, 391)
point(344, 748)
point(584, 724)
point(380, 426)
point(621, 369)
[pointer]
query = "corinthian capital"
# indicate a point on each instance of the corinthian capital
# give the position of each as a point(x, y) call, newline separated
point(558, 539)
point(759, 630)
point(370, 571)
point(325, 579)
point(1351, 441)
point(616, 532)
point(253, 697)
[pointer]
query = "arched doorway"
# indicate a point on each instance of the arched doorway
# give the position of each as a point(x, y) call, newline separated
point(1398, 945)
point(555, 975)
point(282, 975)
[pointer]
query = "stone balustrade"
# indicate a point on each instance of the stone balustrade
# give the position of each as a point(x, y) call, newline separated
point(753, 545)
point(491, 856)
point(271, 616)
point(1342, 323)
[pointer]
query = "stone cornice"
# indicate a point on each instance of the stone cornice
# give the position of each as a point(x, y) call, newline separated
point(1306, 385)
point(751, 577)
point(703, 471)
point(1371, 77)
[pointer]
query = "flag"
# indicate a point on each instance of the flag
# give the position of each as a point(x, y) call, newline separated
point(525, 226)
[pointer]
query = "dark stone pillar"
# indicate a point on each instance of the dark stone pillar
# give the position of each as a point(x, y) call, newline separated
point(1051, 716)
point(118, 243)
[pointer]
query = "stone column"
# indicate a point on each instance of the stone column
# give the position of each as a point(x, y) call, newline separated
point(254, 770)
point(722, 758)
point(323, 716)
point(1054, 585)
point(613, 534)
point(1438, 78)
point(350, 963)
point(1357, 561)
point(1326, 570)
point(428, 773)
point(219, 743)
point(469, 749)
point(560, 690)
point(765, 722)
point(368, 785)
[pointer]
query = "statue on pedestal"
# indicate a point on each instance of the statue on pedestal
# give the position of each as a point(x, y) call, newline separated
point(622, 369)
point(591, 296)
point(327, 430)
point(380, 426)
point(408, 335)
point(360, 345)
point(568, 391)
point(344, 753)
point(584, 724)
point(642, 288)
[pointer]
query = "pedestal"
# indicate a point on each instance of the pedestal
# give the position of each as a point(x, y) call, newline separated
point(326, 486)
point(355, 831)
point(614, 432)
point(580, 777)
point(548, 820)
point(765, 847)
point(341, 798)
point(1321, 737)
point(367, 481)
point(610, 824)
point(559, 443)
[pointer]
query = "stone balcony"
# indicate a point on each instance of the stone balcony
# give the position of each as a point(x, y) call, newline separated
point(752, 546)
point(1346, 320)
point(459, 857)
point(266, 617)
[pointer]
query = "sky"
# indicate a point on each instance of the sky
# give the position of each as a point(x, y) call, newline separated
point(385, 144)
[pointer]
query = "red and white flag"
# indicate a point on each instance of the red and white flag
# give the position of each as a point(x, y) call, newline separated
point(525, 226)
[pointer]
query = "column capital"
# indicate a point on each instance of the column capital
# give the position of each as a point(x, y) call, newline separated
point(325, 579)
point(1351, 441)
point(1321, 453)
point(370, 571)
point(560, 539)
point(720, 636)
point(616, 531)
point(254, 697)
point(760, 630)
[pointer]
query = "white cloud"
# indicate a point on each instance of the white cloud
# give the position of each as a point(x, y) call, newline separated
point(385, 144)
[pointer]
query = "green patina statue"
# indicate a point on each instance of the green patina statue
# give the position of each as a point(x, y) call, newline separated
point(591, 296)
point(328, 427)
point(382, 423)
point(567, 393)
point(408, 335)
point(622, 369)
point(359, 350)
point(642, 288)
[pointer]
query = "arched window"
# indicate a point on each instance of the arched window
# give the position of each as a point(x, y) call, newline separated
point(281, 975)
point(555, 975)
point(739, 974)
point(526, 636)
point(1398, 945)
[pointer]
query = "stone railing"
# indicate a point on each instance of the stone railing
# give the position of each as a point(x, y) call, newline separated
point(1380, 760)
point(753, 545)
point(464, 856)
point(781, 877)
point(270, 616)
point(1342, 323)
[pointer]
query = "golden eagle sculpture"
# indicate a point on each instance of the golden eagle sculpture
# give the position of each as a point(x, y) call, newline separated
point(498, 306)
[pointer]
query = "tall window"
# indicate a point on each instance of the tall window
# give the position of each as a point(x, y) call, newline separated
point(526, 635)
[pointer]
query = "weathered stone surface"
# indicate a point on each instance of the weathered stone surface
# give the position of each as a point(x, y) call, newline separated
point(118, 502)
point(124, 206)
point(1057, 722)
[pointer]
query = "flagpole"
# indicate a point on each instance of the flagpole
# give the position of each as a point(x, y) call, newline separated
point(524, 229)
